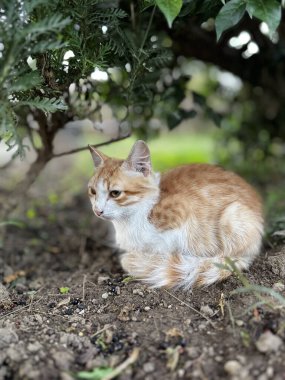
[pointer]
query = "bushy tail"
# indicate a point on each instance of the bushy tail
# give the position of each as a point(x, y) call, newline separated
point(188, 271)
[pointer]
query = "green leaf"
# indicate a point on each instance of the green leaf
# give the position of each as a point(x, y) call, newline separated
point(64, 290)
point(268, 11)
point(44, 104)
point(128, 279)
point(170, 9)
point(175, 118)
point(97, 373)
point(260, 289)
point(26, 82)
point(230, 14)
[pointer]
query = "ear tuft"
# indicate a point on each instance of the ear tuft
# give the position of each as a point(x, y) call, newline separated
point(139, 159)
point(98, 157)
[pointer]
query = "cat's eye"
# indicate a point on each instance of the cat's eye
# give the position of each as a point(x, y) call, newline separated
point(92, 191)
point(115, 193)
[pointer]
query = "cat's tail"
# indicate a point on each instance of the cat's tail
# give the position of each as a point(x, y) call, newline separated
point(188, 271)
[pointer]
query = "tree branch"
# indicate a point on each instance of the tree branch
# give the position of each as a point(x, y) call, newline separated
point(86, 147)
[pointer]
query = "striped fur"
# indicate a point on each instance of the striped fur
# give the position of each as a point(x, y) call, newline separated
point(177, 226)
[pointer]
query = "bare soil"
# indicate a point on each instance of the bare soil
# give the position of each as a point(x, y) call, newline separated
point(104, 316)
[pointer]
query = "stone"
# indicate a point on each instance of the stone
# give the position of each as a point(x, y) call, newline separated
point(5, 300)
point(207, 310)
point(105, 295)
point(148, 367)
point(277, 264)
point(102, 279)
point(139, 292)
point(34, 347)
point(62, 359)
point(36, 284)
point(268, 342)
point(232, 367)
point(7, 336)
point(16, 353)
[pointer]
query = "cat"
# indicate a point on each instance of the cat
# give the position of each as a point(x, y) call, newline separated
point(176, 227)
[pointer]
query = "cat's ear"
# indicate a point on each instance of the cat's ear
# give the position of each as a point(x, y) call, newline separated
point(98, 157)
point(139, 159)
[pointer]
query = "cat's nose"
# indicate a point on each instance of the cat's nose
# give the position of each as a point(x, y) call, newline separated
point(98, 212)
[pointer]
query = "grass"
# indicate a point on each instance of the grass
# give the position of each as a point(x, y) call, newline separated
point(265, 295)
point(167, 151)
point(170, 149)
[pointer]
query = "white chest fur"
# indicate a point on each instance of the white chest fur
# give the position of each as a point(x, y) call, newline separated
point(137, 234)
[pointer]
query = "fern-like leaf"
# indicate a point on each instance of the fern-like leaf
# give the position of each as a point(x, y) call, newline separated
point(44, 104)
point(26, 82)
point(48, 24)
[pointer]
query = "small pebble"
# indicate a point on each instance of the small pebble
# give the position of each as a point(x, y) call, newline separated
point(232, 367)
point(205, 309)
point(34, 347)
point(181, 373)
point(239, 322)
point(139, 292)
point(105, 295)
point(102, 279)
point(148, 367)
point(147, 308)
point(269, 371)
point(268, 342)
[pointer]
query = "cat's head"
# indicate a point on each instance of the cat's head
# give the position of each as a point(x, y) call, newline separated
point(122, 187)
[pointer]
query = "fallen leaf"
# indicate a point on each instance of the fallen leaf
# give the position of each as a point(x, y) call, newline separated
point(63, 302)
point(14, 276)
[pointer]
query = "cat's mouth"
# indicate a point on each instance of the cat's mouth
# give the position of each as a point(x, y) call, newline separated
point(103, 216)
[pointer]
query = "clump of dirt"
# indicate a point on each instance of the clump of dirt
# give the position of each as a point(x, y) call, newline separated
point(67, 307)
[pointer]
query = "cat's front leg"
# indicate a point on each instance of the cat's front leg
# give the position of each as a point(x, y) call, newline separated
point(136, 264)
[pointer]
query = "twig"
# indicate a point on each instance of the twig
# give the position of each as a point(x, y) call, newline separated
point(86, 147)
point(83, 286)
point(106, 327)
point(32, 298)
point(22, 308)
point(133, 15)
point(131, 359)
point(231, 316)
point(192, 308)
point(147, 30)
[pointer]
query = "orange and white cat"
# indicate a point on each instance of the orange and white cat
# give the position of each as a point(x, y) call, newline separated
point(175, 227)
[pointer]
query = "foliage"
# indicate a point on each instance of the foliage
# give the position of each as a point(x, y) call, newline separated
point(20, 86)
point(64, 290)
point(232, 12)
point(97, 373)
point(265, 295)
point(70, 58)
point(170, 9)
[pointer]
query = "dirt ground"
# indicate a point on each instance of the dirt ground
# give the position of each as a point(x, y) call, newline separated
point(67, 307)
